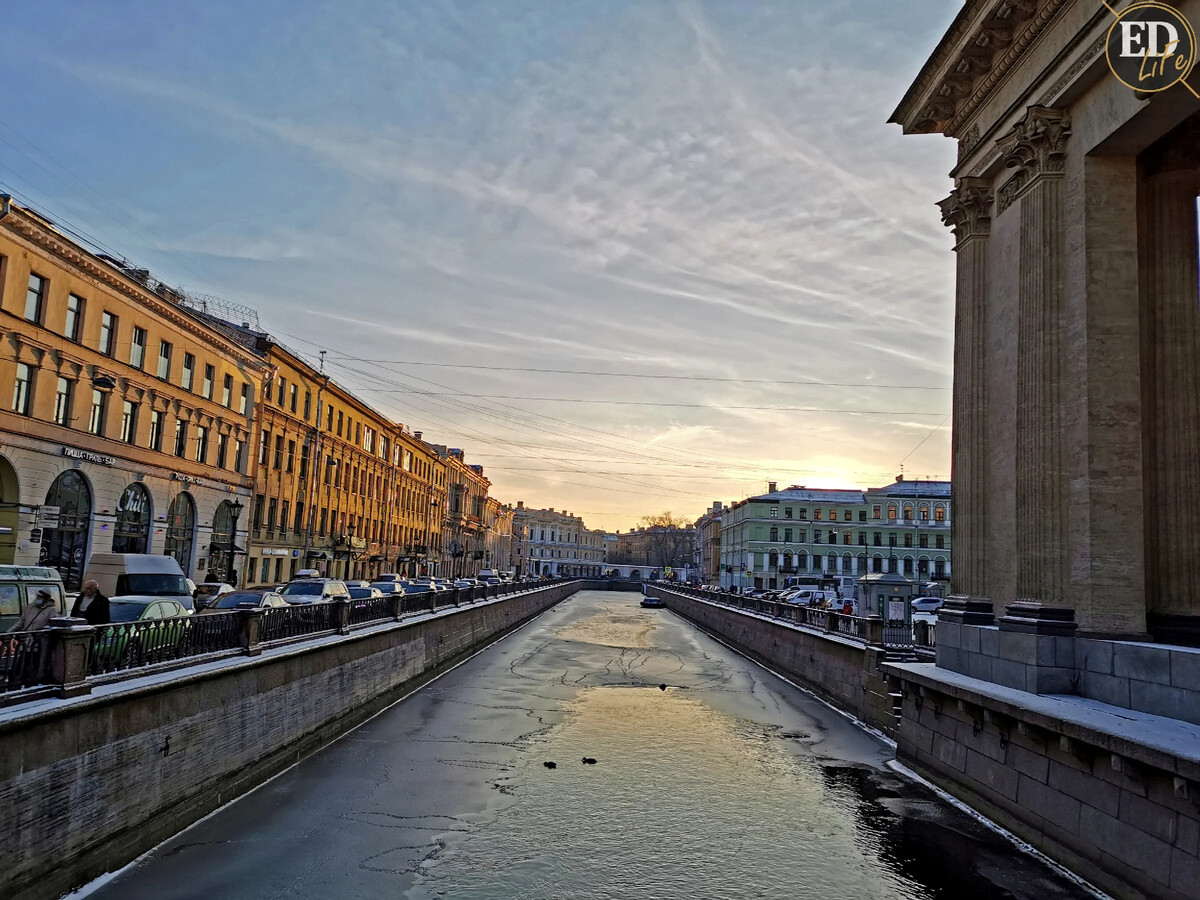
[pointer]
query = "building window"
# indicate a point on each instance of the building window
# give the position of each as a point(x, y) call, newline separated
point(940, 542)
point(862, 515)
point(877, 512)
point(282, 390)
point(892, 511)
point(328, 418)
point(304, 460)
point(129, 413)
point(299, 524)
point(259, 501)
point(35, 298)
point(181, 430)
point(878, 539)
point(209, 375)
point(908, 510)
point(774, 512)
point(846, 537)
point(201, 444)
point(222, 449)
point(291, 456)
point(817, 535)
point(323, 521)
point(284, 508)
point(816, 515)
point(244, 402)
point(339, 423)
point(62, 402)
point(833, 515)
point(272, 509)
point(908, 540)
point(74, 323)
point(99, 407)
point(307, 405)
point(774, 533)
point(787, 535)
point(156, 430)
point(891, 540)
point(164, 360)
point(137, 348)
point(278, 451)
point(227, 392)
point(939, 514)
point(294, 397)
point(239, 456)
point(264, 444)
point(787, 512)
point(923, 540)
point(188, 378)
point(108, 333)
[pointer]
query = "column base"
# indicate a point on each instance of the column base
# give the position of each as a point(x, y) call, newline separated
point(1173, 628)
point(967, 610)
point(1032, 617)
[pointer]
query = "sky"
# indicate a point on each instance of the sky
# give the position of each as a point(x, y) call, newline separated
point(470, 205)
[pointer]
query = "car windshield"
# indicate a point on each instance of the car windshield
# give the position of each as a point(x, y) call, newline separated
point(125, 612)
point(231, 601)
point(152, 585)
point(303, 587)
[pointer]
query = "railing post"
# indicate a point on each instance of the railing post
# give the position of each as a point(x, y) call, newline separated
point(921, 634)
point(831, 620)
point(341, 616)
point(252, 617)
point(875, 631)
point(397, 606)
point(65, 655)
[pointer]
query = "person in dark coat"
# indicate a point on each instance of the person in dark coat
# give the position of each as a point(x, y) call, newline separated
point(91, 605)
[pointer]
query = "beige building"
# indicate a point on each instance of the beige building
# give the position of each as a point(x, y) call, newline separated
point(464, 533)
point(129, 424)
point(706, 556)
point(551, 543)
point(1076, 449)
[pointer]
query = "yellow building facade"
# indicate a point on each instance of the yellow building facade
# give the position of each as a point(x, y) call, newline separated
point(129, 425)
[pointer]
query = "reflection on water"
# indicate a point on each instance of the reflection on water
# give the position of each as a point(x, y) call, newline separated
point(685, 801)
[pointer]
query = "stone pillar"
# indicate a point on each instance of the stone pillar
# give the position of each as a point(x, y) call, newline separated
point(968, 210)
point(66, 653)
point(1035, 147)
point(1171, 383)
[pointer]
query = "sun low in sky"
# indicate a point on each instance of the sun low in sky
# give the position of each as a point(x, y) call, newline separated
point(631, 256)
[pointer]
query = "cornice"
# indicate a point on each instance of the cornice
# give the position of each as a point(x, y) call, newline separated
point(46, 239)
point(982, 46)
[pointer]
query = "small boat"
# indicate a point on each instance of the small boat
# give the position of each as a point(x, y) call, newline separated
point(652, 603)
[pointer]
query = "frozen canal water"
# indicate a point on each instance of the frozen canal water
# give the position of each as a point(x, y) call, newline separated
point(729, 783)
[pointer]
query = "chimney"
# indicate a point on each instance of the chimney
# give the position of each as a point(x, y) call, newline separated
point(417, 435)
point(770, 487)
point(520, 504)
point(900, 477)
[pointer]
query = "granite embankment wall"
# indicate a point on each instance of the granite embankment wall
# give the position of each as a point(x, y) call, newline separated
point(89, 783)
point(847, 673)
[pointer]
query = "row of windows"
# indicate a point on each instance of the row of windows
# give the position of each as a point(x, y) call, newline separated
point(893, 512)
point(847, 537)
point(35, 302)
point(835, 563)
point(272, 513)
point(97, 422)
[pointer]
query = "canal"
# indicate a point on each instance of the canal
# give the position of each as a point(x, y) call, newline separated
point(712, 778)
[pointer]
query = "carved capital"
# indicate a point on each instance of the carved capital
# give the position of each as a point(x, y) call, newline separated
point(968, 209)
point(1037, 144)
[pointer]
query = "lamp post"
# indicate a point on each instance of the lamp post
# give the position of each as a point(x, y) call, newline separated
point(349, 547)
point(235, 511)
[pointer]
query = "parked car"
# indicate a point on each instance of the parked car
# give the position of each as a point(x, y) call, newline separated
point(389, 587)
point(19, 586)
point(390, 576)
point(234, 599)
point(927, 604)
point(365, 593)
point(315, 590)
point(358, 583)
point(140, 577)
point(116, 641)
point(206, 594)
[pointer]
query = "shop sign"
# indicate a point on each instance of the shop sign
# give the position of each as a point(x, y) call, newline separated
point(188, 479)
point(47, 517)
point(275, 551)
point(89, 456)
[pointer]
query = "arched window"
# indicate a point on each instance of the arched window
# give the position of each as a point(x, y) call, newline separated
point(64, 547)
point(787, 559)
point(773, 559)
point(876, 563)
point(939, 513)
point(131, 534)
point(223, 537)
point(891, 510)
point(923, 566)
point(832, 562)
point(181, 529)
point(908, 511)
point(802, 561)
point(923, 513)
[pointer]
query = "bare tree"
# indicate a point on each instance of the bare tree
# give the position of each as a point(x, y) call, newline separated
point(668, 542)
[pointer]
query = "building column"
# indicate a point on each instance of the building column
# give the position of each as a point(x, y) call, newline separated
point(1171, 384)
point(1036, 149)
point(968, 210)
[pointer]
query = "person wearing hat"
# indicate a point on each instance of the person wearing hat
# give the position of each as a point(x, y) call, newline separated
point(37, 615)
point(91, 605)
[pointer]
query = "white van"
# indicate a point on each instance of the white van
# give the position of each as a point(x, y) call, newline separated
point(139, 577)
point(810, 597)
point(19, 586)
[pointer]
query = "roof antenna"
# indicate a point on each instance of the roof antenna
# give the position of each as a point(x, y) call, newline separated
point(323, 367)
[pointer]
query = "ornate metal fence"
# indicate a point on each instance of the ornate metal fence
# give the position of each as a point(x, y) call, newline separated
point(294, 621)
point(21, 660)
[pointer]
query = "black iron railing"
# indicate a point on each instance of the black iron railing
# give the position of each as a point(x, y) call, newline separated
point(371, 609)
point(21, 660)
point(131, 645)
point(281, 622)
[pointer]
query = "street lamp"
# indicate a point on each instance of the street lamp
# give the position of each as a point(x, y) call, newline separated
point(349, 547)
point(235, 510)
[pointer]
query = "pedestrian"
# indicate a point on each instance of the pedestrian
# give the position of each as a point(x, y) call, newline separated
point(212, 577)
point(36, 615)
point(91, 605)
point(232, 578)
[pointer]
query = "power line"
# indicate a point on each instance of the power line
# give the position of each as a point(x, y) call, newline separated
point(900, 387)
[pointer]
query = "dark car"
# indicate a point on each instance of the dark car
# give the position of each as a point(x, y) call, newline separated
point(315, 590)
point(652, 603)
point(234, 600)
